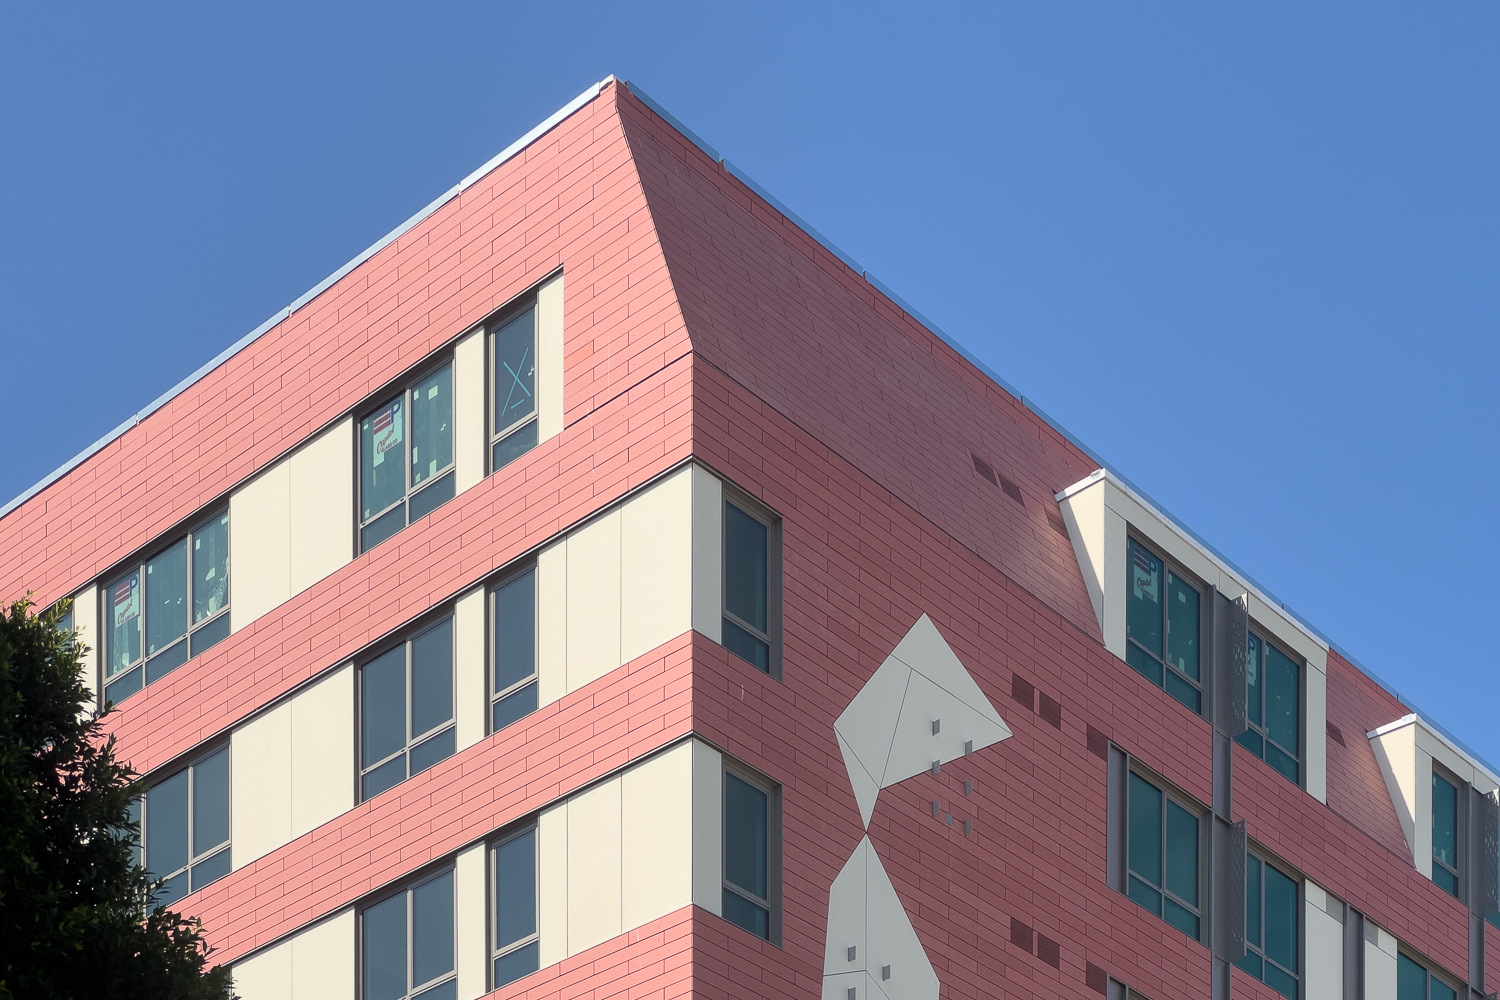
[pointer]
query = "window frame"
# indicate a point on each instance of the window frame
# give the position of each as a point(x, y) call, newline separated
point(493, 435)
point(772, 521)
point(1299, 974)
point(1170, 794)
point(493, 696)
point(1172, 568)
point(408, 887)
point(142, 818)
point(494, 951)
point(771, 903)
point(405, 638)
point(1460, 831)
point(1259, 730)
point(136, 567)
point(403, 387)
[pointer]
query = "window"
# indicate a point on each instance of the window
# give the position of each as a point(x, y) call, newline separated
point(167, 609)
point(1162, 622)
point(1445, 833)
point(751, 574)
point(1272, 934)
point(1162, 856)
point(406, 709)
point(517, 950)
point(750, 821)
point(1273, 707)
point(513, 421)
point(185, 828)
point(1415, 982)
point(406, 943)
point(513, 691)
point(406, 457)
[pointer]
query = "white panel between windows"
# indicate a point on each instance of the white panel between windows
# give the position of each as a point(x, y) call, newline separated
point(552, 622)
point(260, 545)
point(266, 975)
point(322, 750)
point(708, 555)
point(549, 358)
point(593, 626)
point(1380, 964)
point(656, 565)
point(1325, 945)
point(552, 883)
point(469, 426)
point(708, 828)
point(594, 866)
point(656, 837)
point(86, 623)
point(316, 963)
point(321, 525)
point(260, 785)
point(470, 936)
point(470, 668)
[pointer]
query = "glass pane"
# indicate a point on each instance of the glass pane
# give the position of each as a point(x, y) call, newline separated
point(432, 678)
point(746, 646)
point(135, 830)
point(515, 631)
point(442, 991)
point(172, 890)
point(1281, 981)
point(382, 528)
point(124, 687)
point(1441, 991)
point(1253, 694)
point(1143, 617)
point(516, 705)
point(740, 911)
point(745, 816)
point(385, 949)
point(166, 598)
point(513, 446)
point(515, 889)
point(1281, 762)
point(382, 693)
point(1144, 894)
point(432, 929)
point(1446, 880)
point(1182, 918)
point(382, 458)
point(1411, 980)
point(1252, 964)
point(431, 425)
point(211, 633)
point(1444, 821)
point(122, 616)
point(1146, 664)
point(521, 962)
point(1182, 689)
point(433, 750)
point(745, 567)
point(515, 369)
point(1281, 919)
point(1283, 700)
point(210, 568)
point(211, 803)
point(387, 775)
point(166, 661)
point(65, 622)
point(167, 825)
point(1145, 830)
point(1182, 853)
point(1252, 741)
point(1252, 901)
point(433, 495)
point(1182, 626)
point(210, 869)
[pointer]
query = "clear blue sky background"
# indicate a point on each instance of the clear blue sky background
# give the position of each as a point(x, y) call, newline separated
point(1249, 255)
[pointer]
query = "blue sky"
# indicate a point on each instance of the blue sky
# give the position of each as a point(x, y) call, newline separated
point(1250, 256)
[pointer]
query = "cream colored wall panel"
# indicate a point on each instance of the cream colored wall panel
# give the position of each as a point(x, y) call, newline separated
point(1396, 752)
point(594, 866)
point(1159, 533)
point(549, 358)
point(323, 960)
point(593, 628)
point(260, 785)
point(1316, 683)
point(708, 828)
point(656, 836)
point(322, 740)
point(1324, 948)
point(266, 975)
point(552, 883)
point(1083, 513)
point(469, 934)
point(1270, 618)
point(321, 492)
point(259, 545)
point(469, 426)
point(1380, 964)
point(656, 565)
point(552, 623)
point(708, 554)
point(1438, 750)
point(471, 691)
point(86, 628)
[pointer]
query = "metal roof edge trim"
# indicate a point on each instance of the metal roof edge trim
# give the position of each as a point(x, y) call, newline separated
point(545, 126)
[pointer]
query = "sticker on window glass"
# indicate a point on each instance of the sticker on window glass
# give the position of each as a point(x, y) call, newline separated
point(1145, 575)
point(127, 601)
point(386, 431)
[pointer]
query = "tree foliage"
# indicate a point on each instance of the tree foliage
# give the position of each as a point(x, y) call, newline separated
point(76, 918)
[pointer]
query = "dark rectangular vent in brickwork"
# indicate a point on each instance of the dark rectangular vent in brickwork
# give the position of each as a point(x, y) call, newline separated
point(1020, 935)
point(1051, 712)
point(1012, 490)
point(983, 468)
point(1336, 734)
point(1098, 744)
point(1095, 978)
point(1022, 691)
point(1058, 524)
point(1049, 951)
